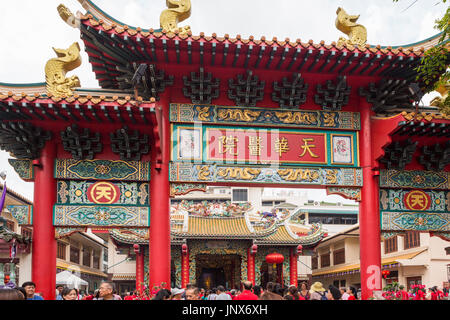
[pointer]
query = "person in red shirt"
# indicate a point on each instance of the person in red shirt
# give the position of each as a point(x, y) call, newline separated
point(352, 293)
point(130, 296)
point(436, 294)
point(247, 294)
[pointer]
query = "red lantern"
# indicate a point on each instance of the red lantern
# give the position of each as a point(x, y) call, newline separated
point(275, 258)
point(136, 248)
point(254, 249)
point(184, 249)
point(299, 249)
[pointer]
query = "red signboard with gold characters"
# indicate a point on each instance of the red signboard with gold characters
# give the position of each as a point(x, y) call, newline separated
point(213, 144)
point(266, 146)
point(103, 192)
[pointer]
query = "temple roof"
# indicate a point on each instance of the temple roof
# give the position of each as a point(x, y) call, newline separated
point(219, 227)
point(112, 50)
point(115, 50)
point(279, 231)
point(108, 22)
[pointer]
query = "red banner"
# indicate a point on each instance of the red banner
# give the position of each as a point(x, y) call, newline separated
point(265, 146)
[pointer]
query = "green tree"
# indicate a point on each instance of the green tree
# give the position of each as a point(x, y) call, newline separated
point(434, 68)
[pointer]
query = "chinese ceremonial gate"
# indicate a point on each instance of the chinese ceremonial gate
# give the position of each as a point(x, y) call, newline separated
point(180, 112)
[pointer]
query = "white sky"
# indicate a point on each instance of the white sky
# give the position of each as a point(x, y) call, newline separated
point(30, 29)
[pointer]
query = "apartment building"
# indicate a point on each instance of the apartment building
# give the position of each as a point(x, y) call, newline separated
point(411, 258)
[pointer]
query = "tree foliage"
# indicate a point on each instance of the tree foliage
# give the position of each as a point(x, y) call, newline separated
point(434, 68)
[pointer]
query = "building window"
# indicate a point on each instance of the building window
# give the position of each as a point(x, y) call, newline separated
point(325, 260)
point(412, 239)
point(240, 195)
point(74, 255)
point(86, 257)
point(96, 260)
point(390, 245)
point(267, 203)
point(339, 256)
point(333, 219)
point(314, 262)
point(447, 251)
point(61, 251)
point(412, 281)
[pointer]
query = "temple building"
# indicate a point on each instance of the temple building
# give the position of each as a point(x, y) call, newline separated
point(213, 240)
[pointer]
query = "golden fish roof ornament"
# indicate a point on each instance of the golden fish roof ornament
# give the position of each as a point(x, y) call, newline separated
point(347, 24)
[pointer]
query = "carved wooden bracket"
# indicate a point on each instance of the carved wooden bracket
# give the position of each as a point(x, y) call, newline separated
point(201, 88)
point(81, 143)
point(290, 94)
point(246, 90)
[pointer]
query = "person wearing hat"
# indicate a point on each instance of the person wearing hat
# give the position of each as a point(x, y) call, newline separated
point(176, 294)
point(317, 292)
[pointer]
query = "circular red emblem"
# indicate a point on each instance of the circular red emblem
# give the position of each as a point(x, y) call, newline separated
point(417, 200)
point(103, 193)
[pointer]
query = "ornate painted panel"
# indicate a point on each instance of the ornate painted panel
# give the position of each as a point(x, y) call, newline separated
point(414, 200)
point(213, 173)
point(102, 216)
point(421, 210)
point(414, 179)
point(24, 168)
point(347, 193)
point(61, 232)
point(22, 213)
point(75, 192)
point(179, 189)
point(419, 221)
point(214, 144)
point(190, 113)
point(102, 170)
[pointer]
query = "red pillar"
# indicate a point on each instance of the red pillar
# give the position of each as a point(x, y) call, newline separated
point(293, 266)
point(139, 267)
point(369, 216)
point(159, 240)
point(250, 266)
point(184, 265)
point(43, 272)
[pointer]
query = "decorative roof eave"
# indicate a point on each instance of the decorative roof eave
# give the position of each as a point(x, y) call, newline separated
point(111, 51)
point(130, 236)
point(98, 17)
point(77, 108)
point(21, 89)
point(290, 238)
point(8, 235)
point(16, 195)
point(240, 222)
point(22, 96)
point(100, 22)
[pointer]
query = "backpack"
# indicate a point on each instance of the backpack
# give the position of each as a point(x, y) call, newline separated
point(323, 296)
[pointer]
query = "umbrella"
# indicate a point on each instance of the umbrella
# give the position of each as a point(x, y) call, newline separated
point(70, 280)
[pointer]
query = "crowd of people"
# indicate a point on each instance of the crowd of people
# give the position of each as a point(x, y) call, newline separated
point(272, 291)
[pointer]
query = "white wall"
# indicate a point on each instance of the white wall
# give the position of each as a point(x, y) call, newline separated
point(113, 258)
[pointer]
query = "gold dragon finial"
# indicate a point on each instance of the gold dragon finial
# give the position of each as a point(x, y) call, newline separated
point(178, 10)
point(347, 24)
point(68, 17)
point(56, 68)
